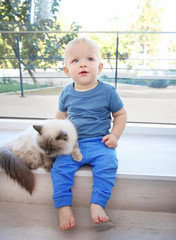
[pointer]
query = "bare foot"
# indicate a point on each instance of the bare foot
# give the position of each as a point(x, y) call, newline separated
point(66, 217)
point(98, 213)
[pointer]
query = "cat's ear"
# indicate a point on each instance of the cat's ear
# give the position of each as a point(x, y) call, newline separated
point(62, 136)
point(38, 128)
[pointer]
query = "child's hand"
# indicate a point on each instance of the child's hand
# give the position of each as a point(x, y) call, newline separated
point(110, 140)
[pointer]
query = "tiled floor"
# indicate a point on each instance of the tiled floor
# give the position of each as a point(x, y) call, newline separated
point(40, 222)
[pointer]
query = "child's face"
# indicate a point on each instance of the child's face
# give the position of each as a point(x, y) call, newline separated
point(83, 64)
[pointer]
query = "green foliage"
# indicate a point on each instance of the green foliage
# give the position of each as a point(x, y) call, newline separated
point(8, 85)
point(148, 20)
point(149, 17)
point(15, 16)
point(172, 45)
point(107, 45)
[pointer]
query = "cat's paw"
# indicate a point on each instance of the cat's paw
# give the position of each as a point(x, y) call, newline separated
point(32, 166)
point(76, 155)
point(47, 166)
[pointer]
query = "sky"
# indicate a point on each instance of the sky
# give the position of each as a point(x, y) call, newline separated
point(98, 15)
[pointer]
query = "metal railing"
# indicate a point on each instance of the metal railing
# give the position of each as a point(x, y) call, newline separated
point(129, 65)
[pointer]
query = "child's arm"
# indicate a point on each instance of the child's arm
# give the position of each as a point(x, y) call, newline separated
point(61, 115)
point(119, 124)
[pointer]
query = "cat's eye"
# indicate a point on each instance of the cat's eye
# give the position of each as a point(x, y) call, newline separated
point(42, 146)
point(54, 149)
point(62, 136)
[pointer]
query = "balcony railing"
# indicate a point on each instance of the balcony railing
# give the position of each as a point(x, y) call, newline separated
point(139, 58)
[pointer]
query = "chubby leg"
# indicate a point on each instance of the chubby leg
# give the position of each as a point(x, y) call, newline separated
point(104, 168)
point(66, 218)
point(62, 174)
point(98, 213)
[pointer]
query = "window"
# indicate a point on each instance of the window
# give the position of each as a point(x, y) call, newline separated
point(139, 59)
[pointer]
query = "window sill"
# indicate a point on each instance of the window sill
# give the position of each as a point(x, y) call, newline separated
point(145, 151)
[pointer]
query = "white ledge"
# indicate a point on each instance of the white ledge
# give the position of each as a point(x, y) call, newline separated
point(131, 128)
point(145, 151)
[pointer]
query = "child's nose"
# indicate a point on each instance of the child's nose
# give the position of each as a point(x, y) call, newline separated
point(83, 64)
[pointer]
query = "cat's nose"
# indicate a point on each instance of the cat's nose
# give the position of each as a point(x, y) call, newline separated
point(48, 152)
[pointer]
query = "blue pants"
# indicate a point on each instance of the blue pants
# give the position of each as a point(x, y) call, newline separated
point(104, 165)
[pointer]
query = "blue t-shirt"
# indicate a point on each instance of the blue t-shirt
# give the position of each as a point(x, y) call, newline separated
point(90, 111)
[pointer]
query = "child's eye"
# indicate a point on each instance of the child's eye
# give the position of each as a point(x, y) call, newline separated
point(75, 61)
point(90, 59)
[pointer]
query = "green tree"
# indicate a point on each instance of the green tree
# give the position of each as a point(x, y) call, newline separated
point(148, 17)
point(148, 20)
point(16, 16)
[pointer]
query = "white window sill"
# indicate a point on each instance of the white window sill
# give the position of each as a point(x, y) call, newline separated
point(145, 151)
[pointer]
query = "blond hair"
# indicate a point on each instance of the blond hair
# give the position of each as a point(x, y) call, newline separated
point(82, 41)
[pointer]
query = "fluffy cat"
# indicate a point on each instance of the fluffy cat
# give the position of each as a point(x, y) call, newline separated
point(37, 147)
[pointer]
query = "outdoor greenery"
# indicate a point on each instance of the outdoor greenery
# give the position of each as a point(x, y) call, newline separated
point(148, 20)
point(8, 85)
point(38, 50)
point(45, 50)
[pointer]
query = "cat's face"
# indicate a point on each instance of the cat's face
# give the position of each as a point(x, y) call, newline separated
point(51, 144)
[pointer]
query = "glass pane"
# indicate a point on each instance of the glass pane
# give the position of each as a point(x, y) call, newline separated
point(140, 64)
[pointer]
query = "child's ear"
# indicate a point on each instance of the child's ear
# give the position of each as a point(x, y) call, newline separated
point(100, 68)
point(66, 71)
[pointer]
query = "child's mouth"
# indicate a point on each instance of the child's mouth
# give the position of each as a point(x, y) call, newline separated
point(83, 72)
